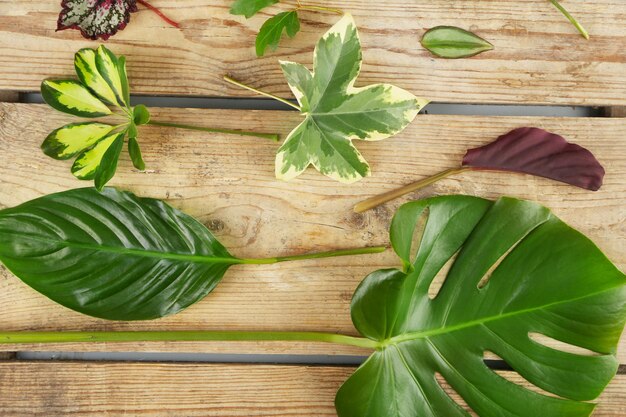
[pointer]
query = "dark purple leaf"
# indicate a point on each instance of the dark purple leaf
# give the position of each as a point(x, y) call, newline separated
point(96, 18)
point(537, 152)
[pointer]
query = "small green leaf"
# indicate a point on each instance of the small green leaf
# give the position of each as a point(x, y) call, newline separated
point(336, 112)
point(249, 8)
point(272, 31)
point(132, 130)
point(135, 153)
point(69, 96)
point(87, 163)
point(513, 269)
point(108, 165)
point(67, 141)
point(87, 71)
point(121, 61)
point(452, 42)
point(141, 115)
point(108, 67)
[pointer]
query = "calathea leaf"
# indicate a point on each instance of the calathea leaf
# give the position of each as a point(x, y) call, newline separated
point(335, 112)
point(272, 30)
point(528, 150)
point(116, 256)
point(516, 270)
point(249, 8)
point(453, 42)
point(96, 18)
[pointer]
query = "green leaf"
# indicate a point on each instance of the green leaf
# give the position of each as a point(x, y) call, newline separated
point(272, 30)
point(111, 255)
point(121, 66)
point(141, 115)
point(108, 67)
point(87, 71)
point(119, 257)
point(453, 42)
point(515, 269)
point(249, 8)
point(69, 96)
point(69, 140)
point(107, 167)
point(87, 163)
point(336, 112)
point(135, 153)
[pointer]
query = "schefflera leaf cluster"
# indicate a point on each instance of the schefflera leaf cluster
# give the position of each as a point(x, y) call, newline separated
point(515, 271)
point(102, 90)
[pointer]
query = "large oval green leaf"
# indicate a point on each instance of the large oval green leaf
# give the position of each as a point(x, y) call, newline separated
point(111, 255)
point(518, 270)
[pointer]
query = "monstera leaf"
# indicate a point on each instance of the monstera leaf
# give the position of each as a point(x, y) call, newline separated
point(335, 112)
point(518, 270)
point(116, 256)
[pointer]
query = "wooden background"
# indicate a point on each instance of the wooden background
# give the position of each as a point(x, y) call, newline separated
point(227, 183)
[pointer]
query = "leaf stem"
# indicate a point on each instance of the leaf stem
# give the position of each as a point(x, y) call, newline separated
point(316, 8)
point(320, 255)
point(183, 336)
point(159, 13)
point(263, 93)
point(571, 18)
point(399, 192)
point(272, 136)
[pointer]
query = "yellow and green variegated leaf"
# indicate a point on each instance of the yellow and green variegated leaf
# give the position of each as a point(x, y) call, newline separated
point(336, 112)
point(87, 71)
point(72, 97)
point(67, 141)
point(87, 163)
point(108, 67)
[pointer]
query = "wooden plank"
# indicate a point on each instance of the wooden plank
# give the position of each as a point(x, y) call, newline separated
point(228, 183)
point(122, 389)
point(538, 58)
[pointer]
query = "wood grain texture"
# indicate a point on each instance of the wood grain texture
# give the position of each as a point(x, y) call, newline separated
point(228, 184)
point(192, 390)
point(539, 56)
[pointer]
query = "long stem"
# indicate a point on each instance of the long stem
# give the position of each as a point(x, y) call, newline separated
point(320, 255)
point(159, 13)
point(315, 8)
point(263, 93)
point(393, 194)
point(182, 336)
point(571, 18)
point(272, 136)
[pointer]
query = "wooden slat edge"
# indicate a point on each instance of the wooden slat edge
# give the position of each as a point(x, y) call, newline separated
point(163, 390)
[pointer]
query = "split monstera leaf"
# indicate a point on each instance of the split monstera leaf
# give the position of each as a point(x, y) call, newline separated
point(512, 270)
point(515, 270)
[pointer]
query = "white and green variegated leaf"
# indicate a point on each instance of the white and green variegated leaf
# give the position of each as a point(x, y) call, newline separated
point(87, 71)
point(69, 140)
point(87, 163)
point(69, 96)
point(336, 112)
point(108, 67)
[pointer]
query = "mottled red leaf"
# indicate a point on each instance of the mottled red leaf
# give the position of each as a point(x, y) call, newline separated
point(96, 18)
point(537, 152)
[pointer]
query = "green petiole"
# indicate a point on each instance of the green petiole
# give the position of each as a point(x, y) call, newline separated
point(571, 18)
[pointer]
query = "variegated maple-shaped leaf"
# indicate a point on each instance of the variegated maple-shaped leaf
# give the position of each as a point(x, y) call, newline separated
point(96, 18)
point(336, 112)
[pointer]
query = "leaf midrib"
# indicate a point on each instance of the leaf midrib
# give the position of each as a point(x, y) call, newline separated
point(407, 337)
point(204, 259)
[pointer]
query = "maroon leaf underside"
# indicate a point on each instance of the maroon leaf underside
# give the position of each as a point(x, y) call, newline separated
point(96, 18)
point(538, 152)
